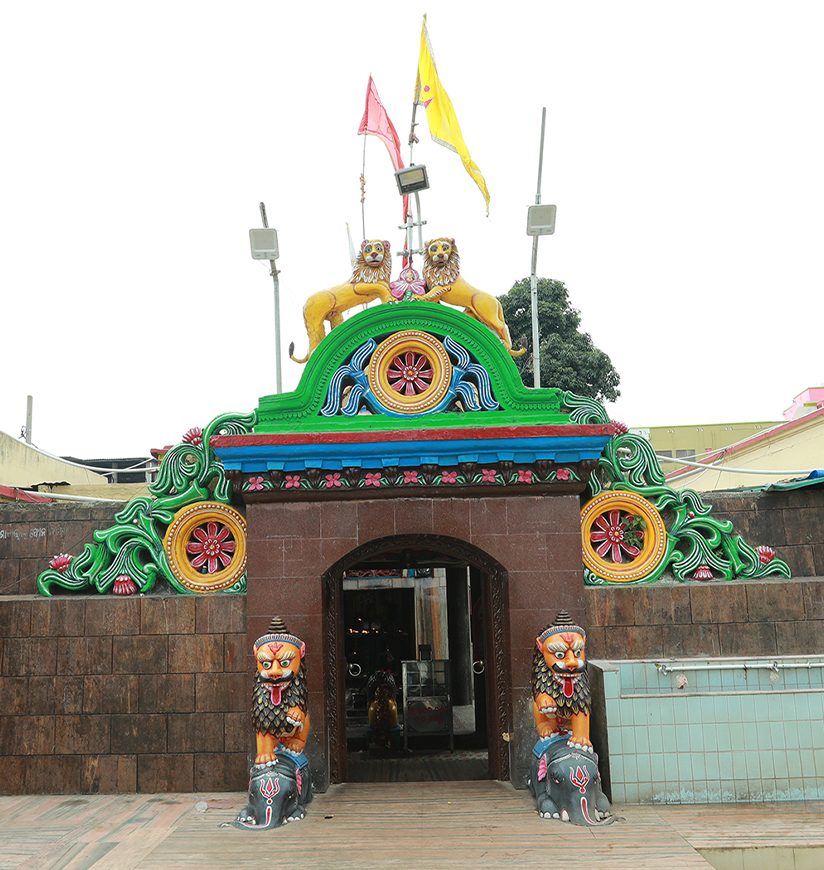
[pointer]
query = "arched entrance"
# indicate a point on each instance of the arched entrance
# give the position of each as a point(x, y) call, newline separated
point(527, 546)
point(485, 579)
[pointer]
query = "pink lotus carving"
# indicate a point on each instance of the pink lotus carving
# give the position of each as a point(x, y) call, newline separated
point(702, 572)
point(60, 562)
point(409, 284)
point(194, 436)
point(765, 554)
point(562, 474)
point(124, 585)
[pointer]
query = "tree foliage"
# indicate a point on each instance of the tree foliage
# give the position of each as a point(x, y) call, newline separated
point(569, 359)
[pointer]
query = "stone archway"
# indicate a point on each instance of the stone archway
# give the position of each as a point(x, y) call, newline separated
point(536, 540)
point(496, 622)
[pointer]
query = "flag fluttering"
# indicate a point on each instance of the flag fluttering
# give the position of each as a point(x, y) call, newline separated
point(440, 115)
point(376, 122)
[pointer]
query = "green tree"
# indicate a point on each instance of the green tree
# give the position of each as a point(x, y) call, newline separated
point(569, 359)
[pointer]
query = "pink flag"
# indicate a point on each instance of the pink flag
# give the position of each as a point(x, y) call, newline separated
point(376, 122)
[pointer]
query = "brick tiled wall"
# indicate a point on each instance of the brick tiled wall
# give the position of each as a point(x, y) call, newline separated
point(105, 694)
point(738, 618)
point(30, 534)
point(792, 522)
point(150, 694)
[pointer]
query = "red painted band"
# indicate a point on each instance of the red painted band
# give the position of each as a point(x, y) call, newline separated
point(456, 434)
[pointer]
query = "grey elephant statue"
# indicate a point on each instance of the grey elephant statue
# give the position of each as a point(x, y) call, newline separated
point(278, 793)
point(566, 784)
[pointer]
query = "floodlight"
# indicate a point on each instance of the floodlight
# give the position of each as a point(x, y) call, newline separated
point(264, 244)
point(540, 220)
point(412, 179)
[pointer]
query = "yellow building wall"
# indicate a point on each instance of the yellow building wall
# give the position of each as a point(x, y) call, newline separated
point(24, 466)
point(797, 450)
point(111, 491)
point(693, 442)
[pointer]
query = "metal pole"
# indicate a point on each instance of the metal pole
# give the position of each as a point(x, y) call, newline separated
point(420, 224)
point(409, 219)
point(533, 280)
point(363, 191)
point(29, 404)
point(274, 274)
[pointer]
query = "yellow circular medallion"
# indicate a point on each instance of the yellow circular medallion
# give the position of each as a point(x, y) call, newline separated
point(623, 536)
point(410, 372)
point(205, 546)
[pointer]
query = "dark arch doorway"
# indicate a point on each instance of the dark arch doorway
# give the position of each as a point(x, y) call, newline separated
point(424, 551)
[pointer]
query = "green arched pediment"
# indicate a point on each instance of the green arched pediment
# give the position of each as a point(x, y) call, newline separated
point(301, 410)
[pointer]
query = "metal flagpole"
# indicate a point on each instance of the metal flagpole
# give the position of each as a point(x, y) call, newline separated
point(274, 273)
point(409, 223)
point(533, 279)
point(363, 191)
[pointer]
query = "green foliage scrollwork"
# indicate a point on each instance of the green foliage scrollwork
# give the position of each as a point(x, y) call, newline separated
point(583, 409)
point(696, 539)
point(133, 546)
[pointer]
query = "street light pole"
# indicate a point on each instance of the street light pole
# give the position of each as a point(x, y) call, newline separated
point(274, 274)
point(533, 279)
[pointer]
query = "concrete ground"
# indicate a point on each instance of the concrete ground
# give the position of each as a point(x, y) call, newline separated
point(409, 825)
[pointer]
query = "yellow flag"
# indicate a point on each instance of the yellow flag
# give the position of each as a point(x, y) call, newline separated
point(443, 123)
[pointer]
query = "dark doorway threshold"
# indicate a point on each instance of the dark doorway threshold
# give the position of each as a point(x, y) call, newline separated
point(437, 765)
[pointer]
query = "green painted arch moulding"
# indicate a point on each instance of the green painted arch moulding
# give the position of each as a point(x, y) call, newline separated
point(299, 411)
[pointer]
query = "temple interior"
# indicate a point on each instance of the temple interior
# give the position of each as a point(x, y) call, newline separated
point(415, 636)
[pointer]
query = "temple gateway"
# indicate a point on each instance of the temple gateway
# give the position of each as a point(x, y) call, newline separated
point(406, 527)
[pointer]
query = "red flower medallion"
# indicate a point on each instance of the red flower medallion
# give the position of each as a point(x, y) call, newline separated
point(410, 373)
point(212, 547)
point(608, 536)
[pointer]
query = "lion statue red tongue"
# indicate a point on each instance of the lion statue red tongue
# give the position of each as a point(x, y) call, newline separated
point(569, 686)
point(276, 690)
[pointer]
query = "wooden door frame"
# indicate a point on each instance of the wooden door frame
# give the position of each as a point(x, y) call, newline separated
point(496, 623)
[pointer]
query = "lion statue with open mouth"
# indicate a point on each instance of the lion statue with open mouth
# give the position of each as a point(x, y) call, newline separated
point(279, 696)
point(560, 683)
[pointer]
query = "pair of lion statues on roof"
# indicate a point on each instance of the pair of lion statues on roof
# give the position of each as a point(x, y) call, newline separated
point(370, 281)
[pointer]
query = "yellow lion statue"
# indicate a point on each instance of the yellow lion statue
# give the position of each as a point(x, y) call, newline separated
point(369, 281)
point(442, 273)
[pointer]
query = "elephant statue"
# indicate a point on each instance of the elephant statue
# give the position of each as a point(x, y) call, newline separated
point(566, 784)
point(278, 793)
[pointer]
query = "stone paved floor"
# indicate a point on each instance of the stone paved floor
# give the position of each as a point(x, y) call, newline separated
point(409, 825)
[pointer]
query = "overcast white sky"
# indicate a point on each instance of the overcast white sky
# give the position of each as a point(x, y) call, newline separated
point(684, 153)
